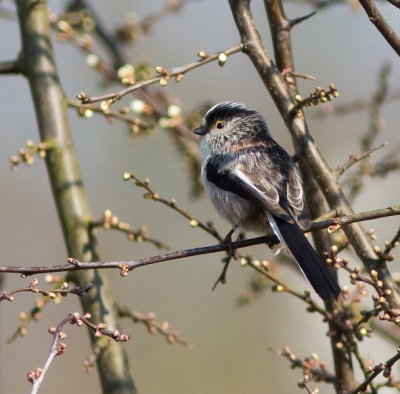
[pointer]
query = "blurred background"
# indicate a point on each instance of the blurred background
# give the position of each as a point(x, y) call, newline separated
point(230, 344)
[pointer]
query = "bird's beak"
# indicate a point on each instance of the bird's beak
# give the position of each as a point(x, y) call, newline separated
point(199, 131)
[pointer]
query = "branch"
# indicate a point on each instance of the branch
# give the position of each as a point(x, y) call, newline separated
point(39, 66)
point(340, 170)
point(164, 76)
point(85, 110)
point(129, 265)
point(111, 221)
point(209, 228)
point(57, 349)
point(380, 23)
point(9, 67)
point(384, 367)
point(153, 326)
point(309, 365)
point(47, 293)
point(36, 377)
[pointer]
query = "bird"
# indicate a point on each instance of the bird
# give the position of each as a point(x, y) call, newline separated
point(255, 186)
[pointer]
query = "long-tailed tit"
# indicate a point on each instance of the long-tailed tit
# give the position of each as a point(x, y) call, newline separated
point(254, 184)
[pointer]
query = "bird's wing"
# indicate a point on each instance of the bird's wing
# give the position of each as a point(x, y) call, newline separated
point(251, 186)
point(295, 199)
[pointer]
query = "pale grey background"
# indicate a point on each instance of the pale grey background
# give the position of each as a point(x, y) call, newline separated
point(230, 352)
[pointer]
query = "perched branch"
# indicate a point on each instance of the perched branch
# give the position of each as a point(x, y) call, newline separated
point(129, 265)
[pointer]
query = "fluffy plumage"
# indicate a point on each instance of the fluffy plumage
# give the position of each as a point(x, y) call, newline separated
point(254, 185)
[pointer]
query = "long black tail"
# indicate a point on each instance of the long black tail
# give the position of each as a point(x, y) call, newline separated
point(314, 269)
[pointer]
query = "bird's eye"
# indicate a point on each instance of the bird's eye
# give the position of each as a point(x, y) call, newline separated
point(219, 124)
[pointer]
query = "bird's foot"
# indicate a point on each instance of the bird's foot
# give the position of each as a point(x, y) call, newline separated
point(272, 240)
point(227, 242)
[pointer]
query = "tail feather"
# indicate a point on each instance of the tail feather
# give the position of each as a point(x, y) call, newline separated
point(314, 269)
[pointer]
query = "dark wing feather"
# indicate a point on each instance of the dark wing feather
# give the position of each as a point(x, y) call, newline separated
point(295, 198)
point(248, 185)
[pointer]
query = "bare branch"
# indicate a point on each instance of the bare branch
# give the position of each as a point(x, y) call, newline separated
point(340, 170)
point(382, 367)
point(58, 349)
point(129, 265)
point(9, 67)
point(84, 110)
point(47, 293)
point(111, 221)
point(153, 326)
point(164, 76)
point(309, 365)
point(380, 23)
point(209, 228)
point(39, 65)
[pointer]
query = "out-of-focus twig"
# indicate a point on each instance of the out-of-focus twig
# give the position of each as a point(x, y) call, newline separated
point(164, 76)
point(355, 159)
point(153, 326)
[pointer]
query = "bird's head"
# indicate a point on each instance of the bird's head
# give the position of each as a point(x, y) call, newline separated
point(229, 123)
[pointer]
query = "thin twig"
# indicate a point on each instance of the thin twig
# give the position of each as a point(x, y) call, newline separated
point(355, 159)
point(162, 78)
point(172, 204)
point(385, 366)
point(120, 115)
point(47, 293)
point(55, 350)
point(153, 326)
point(110, 221)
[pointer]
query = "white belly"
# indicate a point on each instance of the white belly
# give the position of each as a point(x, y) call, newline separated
point(237, 211)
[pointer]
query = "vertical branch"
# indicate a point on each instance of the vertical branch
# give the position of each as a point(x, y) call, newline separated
point(309, 151)
point(38, 64)
point(280, 28)
point(280, 31)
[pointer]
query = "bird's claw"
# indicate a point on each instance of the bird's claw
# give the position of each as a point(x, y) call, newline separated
point(227, 242)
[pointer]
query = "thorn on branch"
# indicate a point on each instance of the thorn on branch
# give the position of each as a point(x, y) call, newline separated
point(296, 21)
